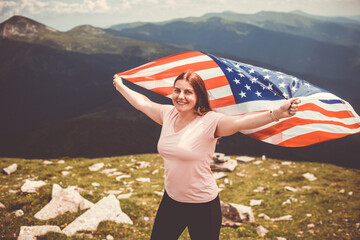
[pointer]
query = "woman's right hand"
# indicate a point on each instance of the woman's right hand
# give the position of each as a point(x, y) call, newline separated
point(117, 81)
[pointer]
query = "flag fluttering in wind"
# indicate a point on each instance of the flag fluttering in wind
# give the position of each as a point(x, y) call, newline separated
point(237, 88)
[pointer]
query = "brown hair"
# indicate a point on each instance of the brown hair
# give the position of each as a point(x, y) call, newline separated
point(202, 105)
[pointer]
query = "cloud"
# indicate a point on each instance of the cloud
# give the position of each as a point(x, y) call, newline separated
point(47, 8)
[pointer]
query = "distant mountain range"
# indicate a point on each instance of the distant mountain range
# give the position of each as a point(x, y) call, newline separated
point(57, 98)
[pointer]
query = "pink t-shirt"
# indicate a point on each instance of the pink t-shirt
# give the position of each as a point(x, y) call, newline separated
point(187, 155)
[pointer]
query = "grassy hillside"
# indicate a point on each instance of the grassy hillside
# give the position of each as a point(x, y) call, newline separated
point(331, 203)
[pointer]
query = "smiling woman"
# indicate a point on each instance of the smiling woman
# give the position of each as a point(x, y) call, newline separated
point(190, 130)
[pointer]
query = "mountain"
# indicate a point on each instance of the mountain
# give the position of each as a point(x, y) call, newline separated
point(332, 19)
point(282, 50)
point(57, 98)
point(83, 39)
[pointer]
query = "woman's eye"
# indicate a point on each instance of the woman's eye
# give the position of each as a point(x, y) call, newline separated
point(176, 90)
point(188, 92)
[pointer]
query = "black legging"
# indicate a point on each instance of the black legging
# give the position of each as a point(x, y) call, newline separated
point(202, 219)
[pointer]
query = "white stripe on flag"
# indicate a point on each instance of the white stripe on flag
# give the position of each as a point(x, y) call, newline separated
point(308, 128)
point(158, 69)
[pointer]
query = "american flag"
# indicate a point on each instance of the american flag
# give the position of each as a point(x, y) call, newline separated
point(237, 88)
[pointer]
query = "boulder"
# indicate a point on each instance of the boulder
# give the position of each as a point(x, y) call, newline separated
point(32, 186)
point(62, 201)
point(18, 213)
point(10, 169)
point(228, 166)
point(30, 232)
point(2, 205)
point(107, 209)
point(309, 176)
point(96, 167)
point(245, 159)
point(261, 231)
point(237, 213)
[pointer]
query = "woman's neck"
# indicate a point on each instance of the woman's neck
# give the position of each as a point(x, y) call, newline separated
point(187, 116)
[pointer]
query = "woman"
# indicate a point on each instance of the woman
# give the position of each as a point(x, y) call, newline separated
point(190, 130)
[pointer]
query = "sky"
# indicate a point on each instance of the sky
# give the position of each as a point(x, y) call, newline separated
point(66, 14)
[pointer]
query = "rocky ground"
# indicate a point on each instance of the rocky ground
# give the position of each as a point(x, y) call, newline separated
point(117, 198)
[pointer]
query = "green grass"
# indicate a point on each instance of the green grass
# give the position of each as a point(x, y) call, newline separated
point(323, 195)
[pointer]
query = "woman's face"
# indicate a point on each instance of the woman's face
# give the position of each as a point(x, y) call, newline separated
point(184, 97)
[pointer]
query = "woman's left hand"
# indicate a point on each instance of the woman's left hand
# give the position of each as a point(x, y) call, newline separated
point(287, 108)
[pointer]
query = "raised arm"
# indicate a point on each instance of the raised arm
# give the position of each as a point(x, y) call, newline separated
point(139, 101)
point(229, 125)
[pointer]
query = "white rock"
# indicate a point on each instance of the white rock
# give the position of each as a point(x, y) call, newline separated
point(259, 189)
point(258, 162)
point(350, 193)
point(219, 175)
point(109, 237)
point(68, 167)
point(286, 202)
point(95, 184)
point(2, 205)
point(118, 178)
point(306, 187)
point(65, 173)
point(18, 213)
point(309, 176)
point(291, 189)
point(330, 210)
point(283, 218)
point(30, 232)
point(261, 231)
point(280, 172)
point(342, 191)
point(263, 157)
point(308, 214)
point(311, 225)
point(228, 166)
point(159, 193)
point(240, 174)
point(286, 163)
point(143, 179)
point(227, 181)
point(107, 209)
point(142, 164)
point(96, 167)
point(281, 238)
point(155, 172)
point(245, 159)
point(254, 202)
point(10, 169)
point(264, 216)
point(48, 162)
point(61, 162)
point(237, 212)
point(32, 186)
point(63, 200)
point(124, 196)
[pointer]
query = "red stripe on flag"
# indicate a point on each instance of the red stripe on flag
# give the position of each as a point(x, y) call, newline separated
point(165, 91)
point(292, 122)
point(222, 102)
point(216, 82)
point(175, 71)
point(314, 107)
point(311, 138)
point(173, 58)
